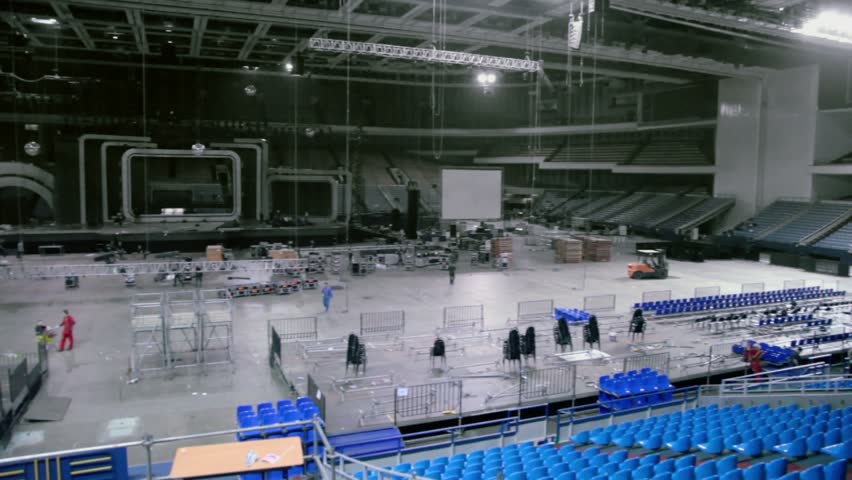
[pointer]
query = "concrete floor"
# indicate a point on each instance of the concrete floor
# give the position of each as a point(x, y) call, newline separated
point(106, 409)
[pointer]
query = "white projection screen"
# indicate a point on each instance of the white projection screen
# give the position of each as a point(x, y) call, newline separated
point(471, 194)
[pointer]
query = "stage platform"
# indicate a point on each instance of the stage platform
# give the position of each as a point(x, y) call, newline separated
point(158, 237)
point(108, 406)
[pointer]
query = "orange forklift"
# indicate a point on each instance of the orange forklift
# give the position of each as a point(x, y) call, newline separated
point(649, 264)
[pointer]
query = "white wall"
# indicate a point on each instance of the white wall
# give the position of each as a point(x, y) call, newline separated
point(788, 134)
point(738, 146)
point(833, 136)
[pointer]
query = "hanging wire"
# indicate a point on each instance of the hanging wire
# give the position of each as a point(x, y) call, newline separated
point(437, 91)
point(15, 139)
point(296, 150)
point(348, 161)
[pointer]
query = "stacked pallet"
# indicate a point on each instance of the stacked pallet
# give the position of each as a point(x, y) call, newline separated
point(501, 245)
point(283, 253)
point(568, 250)
point(596, 249)
point(215, 253)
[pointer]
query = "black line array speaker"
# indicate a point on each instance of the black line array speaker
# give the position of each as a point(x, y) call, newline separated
point(453, 230)
point(413, 213)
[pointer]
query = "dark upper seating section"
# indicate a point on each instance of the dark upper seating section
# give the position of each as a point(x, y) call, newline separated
point(695, 216)
point(770, 217)
point(817, 217)
point(672, 152)
point(840, 239)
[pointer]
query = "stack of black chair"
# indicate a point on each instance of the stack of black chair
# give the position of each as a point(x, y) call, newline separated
point(356, 355)
point(562, 335)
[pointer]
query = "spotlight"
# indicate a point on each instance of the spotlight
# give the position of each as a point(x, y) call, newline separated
point(250, 90)
point(486, 78)
point(44, 21)
point(310, 132)
point(198, 148)
point(32, 148)
point(288, 67)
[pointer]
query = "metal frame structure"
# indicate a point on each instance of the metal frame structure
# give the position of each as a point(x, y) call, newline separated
point(39, 271)
point(148, 337)
point(126, 185)
point(424, 55)
point(216, 311)
point(183, 329)
point(464, 316)
point(387, 324)
point(531, 310)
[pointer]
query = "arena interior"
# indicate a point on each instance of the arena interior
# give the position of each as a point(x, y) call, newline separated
point(437, 239)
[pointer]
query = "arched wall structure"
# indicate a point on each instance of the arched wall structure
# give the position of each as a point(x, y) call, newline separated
point(30, 177)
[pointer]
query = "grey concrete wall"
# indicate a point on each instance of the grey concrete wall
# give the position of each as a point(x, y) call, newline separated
point(788, 134)
point(738, 146)
point(832, 187)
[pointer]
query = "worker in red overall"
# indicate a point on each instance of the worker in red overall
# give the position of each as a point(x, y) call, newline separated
point(753, 356)
point(67, 325)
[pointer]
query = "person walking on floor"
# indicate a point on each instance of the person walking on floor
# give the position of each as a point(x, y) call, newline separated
point(327, 294)
point(67, 325)
point(452, 270)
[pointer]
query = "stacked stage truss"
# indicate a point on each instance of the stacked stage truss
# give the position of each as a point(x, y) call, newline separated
point(147, 320)
point(181, 329)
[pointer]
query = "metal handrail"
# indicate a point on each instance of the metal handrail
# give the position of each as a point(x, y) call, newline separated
point(148, 442)
point(763, 375)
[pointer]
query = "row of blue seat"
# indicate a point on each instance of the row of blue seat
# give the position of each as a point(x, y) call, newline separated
point(622, 392)
point(727, 297)
point(528, 462)
point(283, 412)
point(679, 306)
point(719, 429)
point(786, 320)
point(836, 337)
point(771, 353)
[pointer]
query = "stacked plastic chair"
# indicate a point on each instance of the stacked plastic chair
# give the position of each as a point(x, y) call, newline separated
point(634, 389)
point(571, 315)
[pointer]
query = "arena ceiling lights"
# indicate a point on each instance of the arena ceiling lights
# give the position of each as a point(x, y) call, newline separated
point(830, 26)
point(424, 55)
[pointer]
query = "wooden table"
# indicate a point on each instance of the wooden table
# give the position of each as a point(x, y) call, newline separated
point(230, 458)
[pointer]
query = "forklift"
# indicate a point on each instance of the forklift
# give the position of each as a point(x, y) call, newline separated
point(650, 264)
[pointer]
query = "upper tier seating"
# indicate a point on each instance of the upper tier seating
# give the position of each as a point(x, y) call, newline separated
point(635, 214)
point(715, 205)
point(816, 218)
point(619, 206)
point(768, 218)
point(614, 153)
point(596, 204)
point(840, 239)
point(671, 152)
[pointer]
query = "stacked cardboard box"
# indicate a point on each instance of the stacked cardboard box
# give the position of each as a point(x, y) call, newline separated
point(596, 249)
point(215, 253)
point(568, 250)
point(283, 253)
point(500, 246)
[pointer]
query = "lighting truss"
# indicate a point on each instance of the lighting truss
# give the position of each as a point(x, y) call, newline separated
point(424, 55)
point(34, 271)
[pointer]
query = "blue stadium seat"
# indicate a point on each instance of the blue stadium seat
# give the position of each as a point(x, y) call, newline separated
point(797, 448)
point(685, 473)
point(705, 470)
point(835, 470)
point(840, 450)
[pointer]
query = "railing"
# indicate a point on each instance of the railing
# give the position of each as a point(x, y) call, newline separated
point(599, 414)
point(147, 442)
point(780, 380)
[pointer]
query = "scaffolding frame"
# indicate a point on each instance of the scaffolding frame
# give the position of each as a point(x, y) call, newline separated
point(147, 321)
point(183, 332)
point(217, 321)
